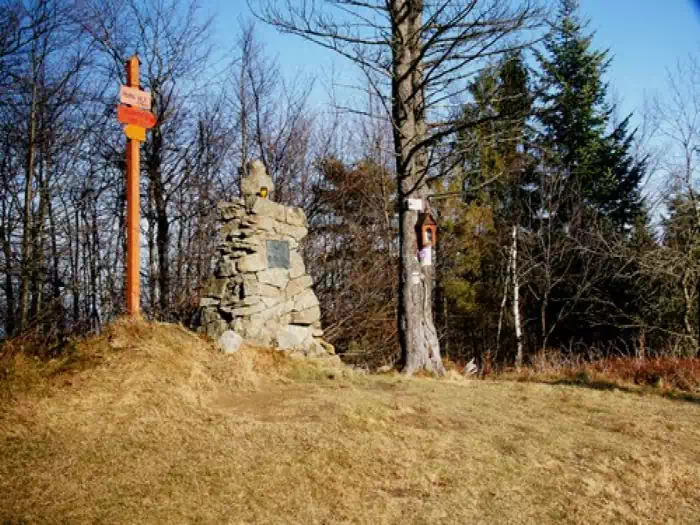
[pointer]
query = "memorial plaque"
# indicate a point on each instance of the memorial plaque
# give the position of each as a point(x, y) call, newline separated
point(278, 254)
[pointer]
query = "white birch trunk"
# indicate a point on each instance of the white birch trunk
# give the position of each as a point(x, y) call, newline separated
point(516, 298)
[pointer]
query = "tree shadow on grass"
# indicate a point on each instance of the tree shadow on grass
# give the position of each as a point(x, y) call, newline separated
point(598, 384)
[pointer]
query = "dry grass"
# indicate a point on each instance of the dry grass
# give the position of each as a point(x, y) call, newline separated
point(147, 424)
point(671, 376)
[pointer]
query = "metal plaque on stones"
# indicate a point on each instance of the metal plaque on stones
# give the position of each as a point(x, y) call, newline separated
point(278, 254)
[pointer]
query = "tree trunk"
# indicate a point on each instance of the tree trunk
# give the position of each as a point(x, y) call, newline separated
point(38, 251)
point(180, 288)
point(697, 316)
point(95, 323)
point(642, 348)
point(56, 284)
point(6, 228)
point(55, 258)
point(420, 348)
point(76, 268)
point(159, 206)
point(243, 100)
point(163, 246)
point(152, 265)
point(504, 300)
point(543, 320)
point(516, 299)
point(5, 234)
point(119, 291)
point(27, 226)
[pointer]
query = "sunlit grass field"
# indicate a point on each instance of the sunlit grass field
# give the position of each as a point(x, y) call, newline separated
point(148, 424)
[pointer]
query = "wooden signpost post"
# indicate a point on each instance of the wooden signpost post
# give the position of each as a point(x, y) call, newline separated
point(136, 120)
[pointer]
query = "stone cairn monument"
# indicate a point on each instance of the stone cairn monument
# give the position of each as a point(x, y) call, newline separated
point(260, 289)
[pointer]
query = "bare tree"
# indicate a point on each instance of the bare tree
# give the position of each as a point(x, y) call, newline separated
point(44, 62)
point(272, 117)
point(62, 168)
point(417, 57)
point(677, 117)
point(174, 48)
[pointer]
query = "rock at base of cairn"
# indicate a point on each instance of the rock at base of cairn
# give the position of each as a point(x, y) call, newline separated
point(230, 342)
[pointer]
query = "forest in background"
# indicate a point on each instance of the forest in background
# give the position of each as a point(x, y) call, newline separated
point(552, 238)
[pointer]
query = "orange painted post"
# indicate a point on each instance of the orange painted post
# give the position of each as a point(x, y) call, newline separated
point(133, 208)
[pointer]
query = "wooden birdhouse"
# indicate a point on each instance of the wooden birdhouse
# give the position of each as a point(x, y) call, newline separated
point(426, 230)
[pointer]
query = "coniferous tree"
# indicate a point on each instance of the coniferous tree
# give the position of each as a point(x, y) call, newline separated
point(586, 187)
point(576, 119)
point(479, 246)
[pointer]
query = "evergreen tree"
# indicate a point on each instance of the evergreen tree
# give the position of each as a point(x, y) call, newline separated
point(575, 118)
point(585, 188)
point(476, 241)
point(494, 154)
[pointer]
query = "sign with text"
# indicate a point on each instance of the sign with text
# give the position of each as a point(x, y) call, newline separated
point(135, 97)
point(135, 116)
point(414, 204)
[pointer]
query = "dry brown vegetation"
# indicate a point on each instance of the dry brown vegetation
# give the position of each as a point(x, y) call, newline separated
point(147, 424)
point(670, 376)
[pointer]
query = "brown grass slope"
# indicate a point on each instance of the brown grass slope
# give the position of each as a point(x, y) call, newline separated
point(148, 424)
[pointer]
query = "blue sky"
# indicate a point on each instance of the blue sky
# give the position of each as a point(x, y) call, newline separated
point(644, 36)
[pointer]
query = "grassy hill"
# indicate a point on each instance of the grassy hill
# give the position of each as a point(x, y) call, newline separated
point(148, 424)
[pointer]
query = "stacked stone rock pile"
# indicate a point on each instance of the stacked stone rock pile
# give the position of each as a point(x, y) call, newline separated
point(260, 288)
